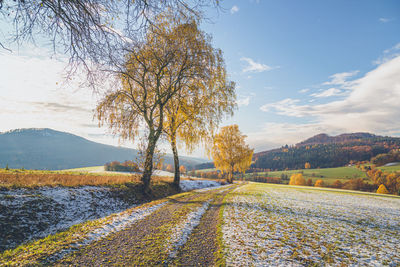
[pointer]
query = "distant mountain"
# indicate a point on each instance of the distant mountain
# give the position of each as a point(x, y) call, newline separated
point(54, 150)
point(323, 151)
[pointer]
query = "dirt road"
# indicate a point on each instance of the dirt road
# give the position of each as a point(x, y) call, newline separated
point(184, 232)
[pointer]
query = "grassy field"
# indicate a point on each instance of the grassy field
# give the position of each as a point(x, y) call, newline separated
point(329, 175)
point(394, 168)
point(86, 169)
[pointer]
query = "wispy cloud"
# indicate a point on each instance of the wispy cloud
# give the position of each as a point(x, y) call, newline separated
point(388, 54)
point(234, 9)
point(341, 78)
point(385, 20)
point(328, 93)
point(244, 100)
point(303, 91)
point(254, 66)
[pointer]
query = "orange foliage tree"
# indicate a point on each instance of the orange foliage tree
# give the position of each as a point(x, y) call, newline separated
point(297, 179)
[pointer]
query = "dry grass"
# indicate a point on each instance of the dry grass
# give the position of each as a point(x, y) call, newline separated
point(18, 178)
point(32, 178)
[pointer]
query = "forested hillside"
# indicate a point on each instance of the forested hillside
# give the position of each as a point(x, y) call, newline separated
point(322, 151)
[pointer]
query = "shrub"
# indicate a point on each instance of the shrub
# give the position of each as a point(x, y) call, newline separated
point(319, 183)
point(337, 184)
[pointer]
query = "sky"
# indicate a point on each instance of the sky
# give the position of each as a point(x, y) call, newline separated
point(301, 68)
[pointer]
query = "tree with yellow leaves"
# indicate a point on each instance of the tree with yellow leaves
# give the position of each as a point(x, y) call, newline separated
point(307, 165)
point(297, 179)
point(175, 53)
point(195, 111)
point(230, 152)
point(382, 189)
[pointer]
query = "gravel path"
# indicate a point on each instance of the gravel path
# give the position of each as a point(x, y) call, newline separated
point(145, 242)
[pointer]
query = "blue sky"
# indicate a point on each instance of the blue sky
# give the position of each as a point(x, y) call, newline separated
point(301, 68)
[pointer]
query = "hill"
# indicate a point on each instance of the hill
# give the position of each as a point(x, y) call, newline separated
point(342, 138)
point(54, 150)
point(323, 151)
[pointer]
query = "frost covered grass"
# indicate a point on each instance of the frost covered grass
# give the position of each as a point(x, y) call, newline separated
point(280, 225)
point(51, 248)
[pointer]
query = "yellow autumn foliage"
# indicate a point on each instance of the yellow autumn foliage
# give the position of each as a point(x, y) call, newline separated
point(230, 152)
point(382, 189)
point(319, 183)
point(297, 179)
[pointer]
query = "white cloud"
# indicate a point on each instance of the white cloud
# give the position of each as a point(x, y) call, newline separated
point(255, 66)
point(341, 78)
point(234, 9)
point(303, 91)
point(244, 100)
point(328, 93)
point(372, 105)
point(288, 107)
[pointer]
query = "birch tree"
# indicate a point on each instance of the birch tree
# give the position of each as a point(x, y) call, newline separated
point(194, 113)
point(175, 53)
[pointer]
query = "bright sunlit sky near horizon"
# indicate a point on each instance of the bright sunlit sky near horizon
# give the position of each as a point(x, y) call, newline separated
point(301, 68)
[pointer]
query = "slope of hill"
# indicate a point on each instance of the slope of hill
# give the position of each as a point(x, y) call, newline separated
point(323, 151)
point(53, 150)
point(342, 138)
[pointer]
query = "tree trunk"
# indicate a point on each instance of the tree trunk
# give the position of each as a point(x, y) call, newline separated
point(148, 164)
point(230, 175)
point(177, 175)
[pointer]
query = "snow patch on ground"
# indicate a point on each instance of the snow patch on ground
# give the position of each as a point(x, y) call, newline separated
point(188, 185)
point(183, 230)
point(278, 226)
point(392, 164)
point(35, 213)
